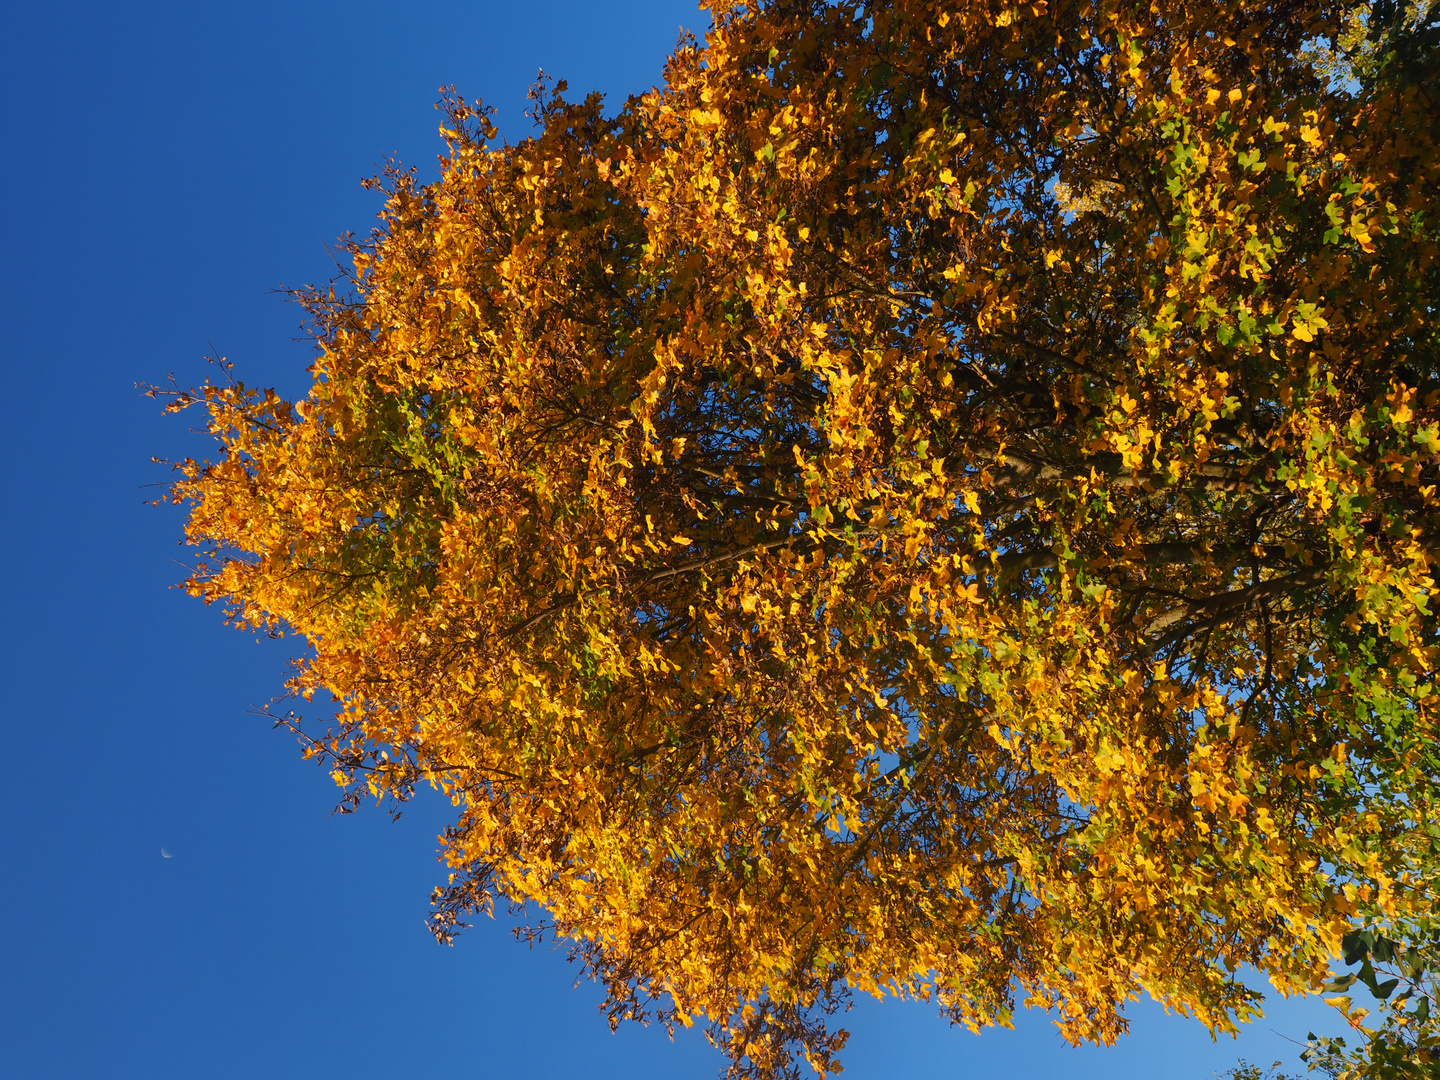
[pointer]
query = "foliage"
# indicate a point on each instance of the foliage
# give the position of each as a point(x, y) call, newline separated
point(1247, 1071)
point(932, 501)
point(1406, 1045)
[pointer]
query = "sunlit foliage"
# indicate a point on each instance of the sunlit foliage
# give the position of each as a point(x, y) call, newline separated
point(936, 500)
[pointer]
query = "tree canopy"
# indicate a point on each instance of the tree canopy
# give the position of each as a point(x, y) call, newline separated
point(934, 500)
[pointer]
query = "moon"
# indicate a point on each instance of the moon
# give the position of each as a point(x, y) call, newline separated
point(165, 854)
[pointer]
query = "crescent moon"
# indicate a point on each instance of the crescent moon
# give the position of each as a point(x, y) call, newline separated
point(165, 854)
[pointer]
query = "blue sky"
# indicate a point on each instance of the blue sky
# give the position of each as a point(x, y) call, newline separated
point(166, 167)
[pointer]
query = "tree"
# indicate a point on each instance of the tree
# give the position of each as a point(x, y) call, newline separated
point(1406, 1045)
point(934, 501)
point(1401, 977)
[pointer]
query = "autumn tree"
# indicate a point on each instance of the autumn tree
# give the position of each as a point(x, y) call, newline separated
point(935, 500)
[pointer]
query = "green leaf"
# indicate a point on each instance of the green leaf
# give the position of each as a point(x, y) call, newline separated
point(1383, 950)
point(1355, 945)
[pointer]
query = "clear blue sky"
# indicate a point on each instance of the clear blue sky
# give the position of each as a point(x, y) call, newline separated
point(166, 166)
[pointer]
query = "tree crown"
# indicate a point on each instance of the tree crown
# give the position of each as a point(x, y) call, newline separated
point(930, 501)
